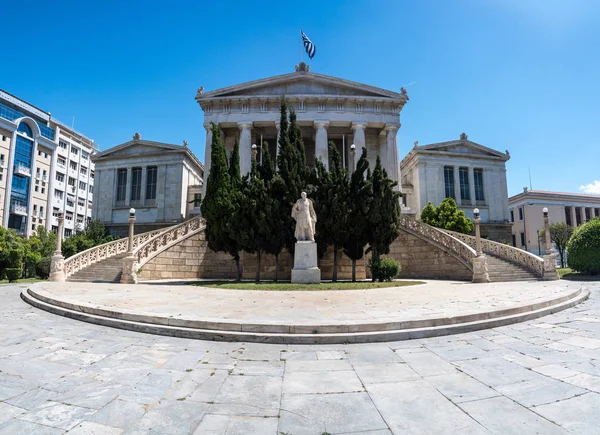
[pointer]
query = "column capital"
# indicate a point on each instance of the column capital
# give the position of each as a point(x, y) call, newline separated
point(321, 123)
point(359, 125)
point(207, 127)
point(391, 127)
point(244, 125)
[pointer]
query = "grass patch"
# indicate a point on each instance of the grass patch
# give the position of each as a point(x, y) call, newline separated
point(568, 273)
point(286, 286)
point(22, 281)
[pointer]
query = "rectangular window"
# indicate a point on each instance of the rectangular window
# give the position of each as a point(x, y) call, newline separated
point(73, 165)
point(74, 150)
point(55, 211)
point(69, 216)
point(522, 239)
point(70, 202)
point(82, 185)
point(478, 180)
point(60, 177)
point(90, 188)
point(84, 155)
point(58, 194)
point(62, 144)
point(449, 181)
point(121, 184)
point(61, 161)
point(136, 184)
point(83, 170)
point(34, 209)
point(514, 240)
point(152, 173)
point(41, 210)
point(71, 181)
point(197, 199)
point(463, 174)
point(68, 231)
point(512, 216)
point(520, 213)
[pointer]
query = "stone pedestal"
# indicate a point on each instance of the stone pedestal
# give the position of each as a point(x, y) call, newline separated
point(57, 268)
point(129, 273)
point(550, 272)
point(480, 269)
point(305, 269)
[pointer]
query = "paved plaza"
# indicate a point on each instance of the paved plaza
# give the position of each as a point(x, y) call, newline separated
point(59, 375)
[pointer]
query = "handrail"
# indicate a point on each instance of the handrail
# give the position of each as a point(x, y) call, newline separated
point(97, 253)
point(506, 252)
point(152, 247)
point(454, 246)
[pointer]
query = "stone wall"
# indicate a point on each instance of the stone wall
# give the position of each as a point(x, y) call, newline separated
point(191, 258)
point(501, 233)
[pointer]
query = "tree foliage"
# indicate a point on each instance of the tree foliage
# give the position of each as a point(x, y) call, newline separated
point(583, 249)
point(447, 216)
point(560, 234)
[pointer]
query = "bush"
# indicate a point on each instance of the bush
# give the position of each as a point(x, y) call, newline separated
point(13, 274)
point(583, 249)
point(15, 258)
point(385, 269)
point(31, 261)
point(43, 267)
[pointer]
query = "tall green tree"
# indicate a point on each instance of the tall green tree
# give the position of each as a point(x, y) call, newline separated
point(220, 207)
point(560, 234)
point(447, 216)
point(384, 212)
point(358, 224)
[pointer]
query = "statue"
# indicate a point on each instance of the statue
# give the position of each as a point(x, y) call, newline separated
point(403, 91)
point(306, 218)
point(137, 136)
point(463, 136)
point(200, 90)
point(185, 143)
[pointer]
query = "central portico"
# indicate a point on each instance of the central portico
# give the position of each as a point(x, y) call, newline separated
point(328, 109)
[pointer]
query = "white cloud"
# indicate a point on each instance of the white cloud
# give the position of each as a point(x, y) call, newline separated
point(593, 188)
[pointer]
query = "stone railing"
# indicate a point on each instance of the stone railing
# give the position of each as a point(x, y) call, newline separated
point(509, 253)
point(151, 248)
point(107, 250)
point(452, 245)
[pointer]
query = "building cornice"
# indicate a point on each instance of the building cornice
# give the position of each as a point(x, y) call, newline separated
point(554, 196)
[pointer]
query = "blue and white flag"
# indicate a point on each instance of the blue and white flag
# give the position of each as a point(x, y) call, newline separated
point(308, 45)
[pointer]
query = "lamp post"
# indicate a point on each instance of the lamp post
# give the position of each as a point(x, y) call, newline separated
point(254, 150)
point(550, 272)
point(480, 269)
point(352, 153)
point(57, 265)
point(129, 271)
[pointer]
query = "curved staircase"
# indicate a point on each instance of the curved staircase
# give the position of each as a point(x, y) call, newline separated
point(502, 270)
point(107, 270)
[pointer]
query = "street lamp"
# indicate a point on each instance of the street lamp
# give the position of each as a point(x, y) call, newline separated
point(352, 153)
point(131, 222)
point(547, 231)
point(254, 150)
point(477, 232)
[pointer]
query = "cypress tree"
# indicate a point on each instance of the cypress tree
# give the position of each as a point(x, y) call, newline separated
point(384, 212)
point(220, 206)
point(360, 197)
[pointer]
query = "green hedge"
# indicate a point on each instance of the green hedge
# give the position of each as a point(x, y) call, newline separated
point(13, 274)
point(583, 249)
point(386, 269)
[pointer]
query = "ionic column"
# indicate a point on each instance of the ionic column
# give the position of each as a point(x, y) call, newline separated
point(582, 213)
point(359, 139)
point(321, 150)
point(573, 216)
point(143, 187)
point(207, 152)
point(391, 162)
point(457, 185)
point(245, 147)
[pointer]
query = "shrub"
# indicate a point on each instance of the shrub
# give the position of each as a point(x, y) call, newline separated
point(13, 274)
point(384, 269)
point(15, 258)
point(43, 267)
point(583, 249)
point(31, 261)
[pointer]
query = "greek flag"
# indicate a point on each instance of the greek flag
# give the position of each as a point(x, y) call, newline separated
point(308, 45)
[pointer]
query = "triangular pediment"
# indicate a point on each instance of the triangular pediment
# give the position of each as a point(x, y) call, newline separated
point(136, 148)
point(463, 147)
point(301, 84)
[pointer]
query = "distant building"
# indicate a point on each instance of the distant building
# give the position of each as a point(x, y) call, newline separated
point(162, 182)
point(472, 174)
point(45, 169)
point(527, 216)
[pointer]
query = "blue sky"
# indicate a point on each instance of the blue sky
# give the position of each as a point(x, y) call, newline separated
point(521, 75)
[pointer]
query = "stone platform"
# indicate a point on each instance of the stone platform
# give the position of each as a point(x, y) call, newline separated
point(303, 317)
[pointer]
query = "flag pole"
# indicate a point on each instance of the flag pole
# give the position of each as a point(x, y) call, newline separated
point(300, 45)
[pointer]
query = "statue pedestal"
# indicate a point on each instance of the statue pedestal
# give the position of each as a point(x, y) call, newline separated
point(550, 272)
point(305, 269)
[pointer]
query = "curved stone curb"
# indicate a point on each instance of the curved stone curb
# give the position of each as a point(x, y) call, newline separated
point(303, 334)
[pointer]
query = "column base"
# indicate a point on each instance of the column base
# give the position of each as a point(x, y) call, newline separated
point(550, 271)
point(480, 269)
point(305, 269)
point(129, 273)
point(57, 269)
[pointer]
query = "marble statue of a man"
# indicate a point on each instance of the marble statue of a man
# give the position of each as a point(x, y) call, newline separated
point(306, 218)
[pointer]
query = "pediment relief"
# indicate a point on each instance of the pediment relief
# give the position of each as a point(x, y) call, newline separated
point(464, 147)
point(301, 88)
point(133, 149)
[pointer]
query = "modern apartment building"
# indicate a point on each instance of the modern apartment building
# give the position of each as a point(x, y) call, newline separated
point(526, 213)
point(45, 169)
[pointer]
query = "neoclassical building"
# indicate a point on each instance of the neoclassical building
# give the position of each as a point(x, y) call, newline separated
point(328, 109)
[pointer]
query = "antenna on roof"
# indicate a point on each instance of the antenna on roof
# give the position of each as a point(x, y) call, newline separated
point(530, 186)
point(73, 123)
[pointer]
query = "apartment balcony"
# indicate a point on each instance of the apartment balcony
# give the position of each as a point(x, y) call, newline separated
point(70, 206)
point(19, 209)
point(71, 189)
point(22, 170)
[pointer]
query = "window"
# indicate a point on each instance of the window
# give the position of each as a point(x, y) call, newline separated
point(151, 182)
point(43, 190)
point(55, 211)
point(197, 199)
point(62, 144)
point(79, 219)
point(74, 150)
point(32, 227)
point(449, 181)
point(522, 239)
point(92, 175)
point(60, 177)
point(37, 188)
point(69, 216)
point(34, 209)
point(25, 129)
point(136, 184)
point(83, 170)
point(82, 185)
point(90, 188)
point(512, 219)
point(463, 175)
point(58, 194)
point(70, 202)
point(478, 180)
point(80, 202)
point(2, 159)
point(73, 165)
point(520, 213)
point(68, 231)
point(121, 184)
point(71, 181)
point(61, 161)
point(37, 173)
point(84, 155)
point(41, 210)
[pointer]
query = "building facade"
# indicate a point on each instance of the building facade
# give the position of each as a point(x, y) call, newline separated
point(45, 170)
point(526, 213)
point(470, 173)
point(328, 109)
point(162, 182)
